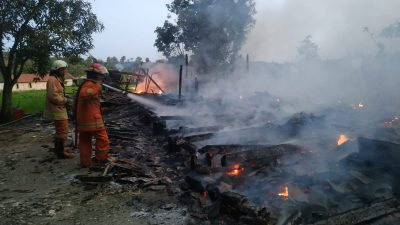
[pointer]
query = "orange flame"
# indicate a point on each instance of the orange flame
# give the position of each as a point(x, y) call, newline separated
point(237, 169)
point(342, 139)
point(284, 194)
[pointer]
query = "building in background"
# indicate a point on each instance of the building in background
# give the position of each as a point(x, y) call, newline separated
point(31, 81)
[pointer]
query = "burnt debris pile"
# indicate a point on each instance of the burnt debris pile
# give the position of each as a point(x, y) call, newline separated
point(232, 168)
point(311, 168)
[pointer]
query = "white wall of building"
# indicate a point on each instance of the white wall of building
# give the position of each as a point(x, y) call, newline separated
point(32, 86)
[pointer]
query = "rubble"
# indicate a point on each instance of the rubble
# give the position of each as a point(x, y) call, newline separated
point(206, 175)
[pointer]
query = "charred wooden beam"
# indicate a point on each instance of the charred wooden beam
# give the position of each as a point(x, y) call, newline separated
point(379, 152)
point(198, 137)
point(237, 206)
point(257, 155)
point(225, 149)
point(188, 130)
point(93, 179)
point(176, 144)
point(175, 117)
point(159, 127)
point(198, 183)
point(133, 167)
point(364, 215)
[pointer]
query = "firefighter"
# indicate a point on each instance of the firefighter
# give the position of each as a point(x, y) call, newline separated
point(56, 107)
point(89, 118)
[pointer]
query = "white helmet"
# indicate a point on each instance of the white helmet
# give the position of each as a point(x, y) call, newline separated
point(58, 64)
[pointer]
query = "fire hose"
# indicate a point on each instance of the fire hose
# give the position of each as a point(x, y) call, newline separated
point(114, 89)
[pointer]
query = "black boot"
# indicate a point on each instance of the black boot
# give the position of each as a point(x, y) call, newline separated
point(61, 151)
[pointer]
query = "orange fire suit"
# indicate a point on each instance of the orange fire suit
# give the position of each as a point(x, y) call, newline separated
point(89, 123)
point(56, 107)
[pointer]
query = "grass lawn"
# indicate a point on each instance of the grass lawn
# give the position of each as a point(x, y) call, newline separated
point(33, 101)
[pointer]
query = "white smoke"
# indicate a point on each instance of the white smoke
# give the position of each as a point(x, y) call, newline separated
point(336, 25)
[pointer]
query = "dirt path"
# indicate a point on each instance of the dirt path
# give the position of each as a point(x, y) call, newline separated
point(38, 188)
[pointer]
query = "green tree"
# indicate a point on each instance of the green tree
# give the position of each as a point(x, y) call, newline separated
point(34, 30)
point(391, 31)
point(77, 66)
point(308, 49)
point(137, 63)
point(122, 60)
point(111, 62)
point(212, 30)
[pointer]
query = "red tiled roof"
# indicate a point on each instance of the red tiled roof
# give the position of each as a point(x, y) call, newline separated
point(31, 78)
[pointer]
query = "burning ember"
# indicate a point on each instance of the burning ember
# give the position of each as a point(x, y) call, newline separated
point(389, 123)
point(137, 91)
point(285, 193)
point(237, 169)
point(360, 105)
point(342, 139)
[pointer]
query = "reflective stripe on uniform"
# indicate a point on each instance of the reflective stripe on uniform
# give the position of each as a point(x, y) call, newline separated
point(60, 115)
point(90, 125)
point(90, 91)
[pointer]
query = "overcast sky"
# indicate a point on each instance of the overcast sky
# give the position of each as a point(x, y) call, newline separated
point(335, 26)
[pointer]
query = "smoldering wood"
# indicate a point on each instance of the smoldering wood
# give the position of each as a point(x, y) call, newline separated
point(190, 130)
point(364, 215)
point(299, 121)
point(379, 152)
point(238, 207)
point(262, 156)
point(133, 167)
point(159, 127)
point(198, 137)
point(256, 155)
point(175, 117)
point(197, 183)
point(176, 144)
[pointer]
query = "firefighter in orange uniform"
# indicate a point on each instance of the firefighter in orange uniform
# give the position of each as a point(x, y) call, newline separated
point(89, 118)
point(56, 107)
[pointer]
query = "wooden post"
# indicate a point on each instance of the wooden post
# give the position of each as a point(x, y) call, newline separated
point(247, 63)
point(186, 64)
point(180, 81)
point(187, 86)
point(196, 85)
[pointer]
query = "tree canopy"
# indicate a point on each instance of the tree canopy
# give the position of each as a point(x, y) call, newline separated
point(392, 30)
point(213, 31)
point(34, 30)
point(308, 49)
